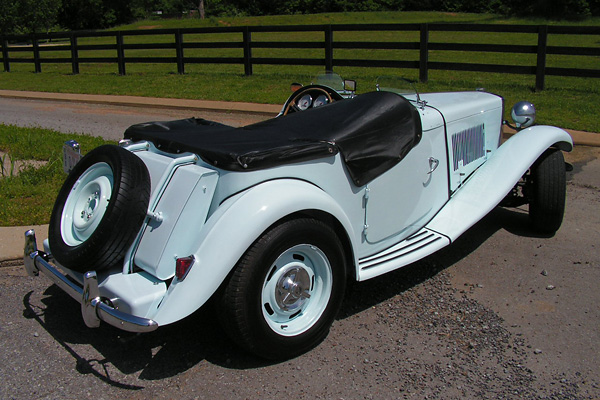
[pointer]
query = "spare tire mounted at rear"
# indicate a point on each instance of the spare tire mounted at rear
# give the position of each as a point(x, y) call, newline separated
point(99, 210)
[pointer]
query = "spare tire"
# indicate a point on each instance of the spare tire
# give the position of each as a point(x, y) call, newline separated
point(99, 209)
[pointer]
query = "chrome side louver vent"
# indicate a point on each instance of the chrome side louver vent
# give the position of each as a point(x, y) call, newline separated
point(468, 145)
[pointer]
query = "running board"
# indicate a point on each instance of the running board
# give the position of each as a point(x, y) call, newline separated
point(414, 248)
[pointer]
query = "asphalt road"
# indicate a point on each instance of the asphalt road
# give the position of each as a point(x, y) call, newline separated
point(99, 120)
point(500, 314)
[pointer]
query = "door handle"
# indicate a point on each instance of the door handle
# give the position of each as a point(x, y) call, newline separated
point(433, 164)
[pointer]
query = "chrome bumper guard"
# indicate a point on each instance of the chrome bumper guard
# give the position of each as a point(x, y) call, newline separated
point(92, 307)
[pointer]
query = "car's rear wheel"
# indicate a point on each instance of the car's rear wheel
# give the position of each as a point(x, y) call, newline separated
point(547, 192)
point(99, 209)
point(285, 291)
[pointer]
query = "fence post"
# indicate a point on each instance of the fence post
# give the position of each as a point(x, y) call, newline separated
point(328, 48)
point(179, 52)
point(120, 54)
point(36, 54)
point(540, 71)
point(247, 37)
point(74, 54)
point(5, 60)
point(424, 54)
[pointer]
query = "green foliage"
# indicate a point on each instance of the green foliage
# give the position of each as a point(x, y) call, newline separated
point(27, 197)
point(94, 14)
point(8, 13)
point(39, 15)
point(553, 9)
point(556, 9)
point(28, 16)
point(562, 9)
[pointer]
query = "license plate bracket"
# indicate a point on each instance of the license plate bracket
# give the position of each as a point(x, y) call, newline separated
point(71, 155)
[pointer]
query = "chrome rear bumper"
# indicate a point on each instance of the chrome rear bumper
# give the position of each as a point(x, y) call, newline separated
point(93, 309)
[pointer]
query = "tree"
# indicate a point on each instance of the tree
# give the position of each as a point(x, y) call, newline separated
point(38, 15)
point(81, 14)
point(96, 14)
point(553, 9)
point(8, 16)
point(28, 16)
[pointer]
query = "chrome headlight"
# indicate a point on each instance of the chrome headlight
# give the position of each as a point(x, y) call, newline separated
point(523, 113)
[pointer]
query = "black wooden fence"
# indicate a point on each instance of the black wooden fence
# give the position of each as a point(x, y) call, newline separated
point(423, 45)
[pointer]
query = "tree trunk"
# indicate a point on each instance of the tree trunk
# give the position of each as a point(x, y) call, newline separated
point(201, 9)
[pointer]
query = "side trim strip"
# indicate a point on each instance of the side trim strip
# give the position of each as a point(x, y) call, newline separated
point(406, 252)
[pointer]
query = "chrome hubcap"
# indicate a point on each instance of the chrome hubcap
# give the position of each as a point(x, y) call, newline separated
point(296, 290)
point(293, 289)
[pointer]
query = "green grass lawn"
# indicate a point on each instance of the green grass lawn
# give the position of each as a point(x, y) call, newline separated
point(27, 198)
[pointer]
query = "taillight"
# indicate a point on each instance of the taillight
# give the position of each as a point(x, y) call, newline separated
point(183, 266)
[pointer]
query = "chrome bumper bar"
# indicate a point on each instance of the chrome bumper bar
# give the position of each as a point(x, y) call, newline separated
point(92, 307)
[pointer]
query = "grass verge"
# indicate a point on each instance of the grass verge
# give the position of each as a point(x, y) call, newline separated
point(27, 198)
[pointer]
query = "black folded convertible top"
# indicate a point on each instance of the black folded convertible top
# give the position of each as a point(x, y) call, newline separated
point(372, 131)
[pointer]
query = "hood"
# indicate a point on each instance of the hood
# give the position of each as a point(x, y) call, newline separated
point(460, 105)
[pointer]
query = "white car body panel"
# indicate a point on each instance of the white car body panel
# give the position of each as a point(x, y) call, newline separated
point(492, 182)
point(183, 207)
point(402, 200)
point(221, 242)
point(473, 124)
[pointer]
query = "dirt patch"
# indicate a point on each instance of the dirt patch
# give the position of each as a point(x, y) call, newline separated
point(11, 167)
point(12, 264)
point(582, 154)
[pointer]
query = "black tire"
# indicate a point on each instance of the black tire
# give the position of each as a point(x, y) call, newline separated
point(547, 194)
point(281, 328)
point(101, 219)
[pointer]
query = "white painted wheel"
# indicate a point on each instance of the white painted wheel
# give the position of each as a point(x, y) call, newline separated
point(285, 291)
point(86, 204)
point(99, 210)
point(297, 289)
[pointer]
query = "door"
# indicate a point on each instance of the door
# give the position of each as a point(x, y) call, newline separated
point(404, 199)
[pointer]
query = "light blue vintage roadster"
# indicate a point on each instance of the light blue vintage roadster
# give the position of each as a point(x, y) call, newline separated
point(270, 220)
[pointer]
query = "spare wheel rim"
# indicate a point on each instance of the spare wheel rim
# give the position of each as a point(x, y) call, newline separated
point(86, 204)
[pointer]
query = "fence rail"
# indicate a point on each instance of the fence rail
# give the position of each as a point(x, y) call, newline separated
point(176, 40)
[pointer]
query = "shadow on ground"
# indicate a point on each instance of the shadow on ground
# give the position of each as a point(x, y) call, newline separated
point(175, 348)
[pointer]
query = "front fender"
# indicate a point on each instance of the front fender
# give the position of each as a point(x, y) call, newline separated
point(228, 233)
point(486, 188)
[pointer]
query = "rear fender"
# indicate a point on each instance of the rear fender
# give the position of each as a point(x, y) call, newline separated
point(228, 233)
point(486, 188)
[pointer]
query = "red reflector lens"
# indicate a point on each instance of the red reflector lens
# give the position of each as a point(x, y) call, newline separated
point(182, 267)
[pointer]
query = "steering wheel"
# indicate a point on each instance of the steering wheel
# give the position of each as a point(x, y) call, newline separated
point(310, 96)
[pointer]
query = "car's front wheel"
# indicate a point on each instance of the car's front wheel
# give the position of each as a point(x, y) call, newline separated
point(547, 191)
point(285, 291)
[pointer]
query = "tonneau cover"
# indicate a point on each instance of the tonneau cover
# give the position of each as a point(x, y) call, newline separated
point(373, 131)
